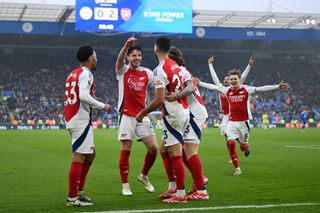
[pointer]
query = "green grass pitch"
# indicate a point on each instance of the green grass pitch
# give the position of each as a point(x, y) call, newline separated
point(34, 167)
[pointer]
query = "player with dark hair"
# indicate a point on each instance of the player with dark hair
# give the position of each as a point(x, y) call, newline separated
point(78, 104)
point(175, 115)
point(238, 130)
point(193, 133)
point(133, 81)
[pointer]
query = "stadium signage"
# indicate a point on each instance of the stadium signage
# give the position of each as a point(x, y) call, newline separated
point(134, 16)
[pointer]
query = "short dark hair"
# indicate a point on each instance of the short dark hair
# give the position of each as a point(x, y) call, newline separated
point(84, 52)
point(176, 55)
point(235, 72)
point(164, 44)
point(132, 48)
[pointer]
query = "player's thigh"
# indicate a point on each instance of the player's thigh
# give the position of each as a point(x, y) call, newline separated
point(193, 131)
point(82, 139)
point(223, 124)
point(173, 129)
point(127, 126)
point(144, 129)
point(233, 131)
point(244, 129)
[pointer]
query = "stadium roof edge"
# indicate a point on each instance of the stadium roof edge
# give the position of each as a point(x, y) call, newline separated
point(205, 18)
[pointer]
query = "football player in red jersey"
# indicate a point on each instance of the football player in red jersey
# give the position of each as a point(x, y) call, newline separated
point(175, 115)
point(238, 129)
point(78, 104)
point(133, 81)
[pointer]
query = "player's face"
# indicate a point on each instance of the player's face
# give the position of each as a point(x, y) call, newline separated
point(93, 60)
point(226, 81)
point(135, 58)
point(234, 81)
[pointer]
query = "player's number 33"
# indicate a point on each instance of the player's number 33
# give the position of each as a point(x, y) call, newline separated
point(70, 94)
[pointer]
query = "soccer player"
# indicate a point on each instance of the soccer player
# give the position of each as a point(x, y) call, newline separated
point(224, 104)
point(78, 104)
point(238, 129)
point(192, 135)
point(175, 115)
point(303, 118)
point(133, 81)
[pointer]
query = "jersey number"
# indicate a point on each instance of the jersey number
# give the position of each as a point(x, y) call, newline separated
point(177, 79)
point(72, 93)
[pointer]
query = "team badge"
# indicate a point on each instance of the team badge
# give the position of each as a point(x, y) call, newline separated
point(125, 13)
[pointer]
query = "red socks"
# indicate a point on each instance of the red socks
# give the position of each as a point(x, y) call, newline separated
point(124, 165)
point(180, 173)
point(149, 159)
point(74, 178)
point(195, 167)
point(233, 153)
point(167, 165)
point(85, 169)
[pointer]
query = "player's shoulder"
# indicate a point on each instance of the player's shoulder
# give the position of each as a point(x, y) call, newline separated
point(145, 69)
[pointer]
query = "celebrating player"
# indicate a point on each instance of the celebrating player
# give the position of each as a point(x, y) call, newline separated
point(238, 129)
point(192, 135)
point(133, 81)
point(175, 115)
point(78, 104)
point(224, 104)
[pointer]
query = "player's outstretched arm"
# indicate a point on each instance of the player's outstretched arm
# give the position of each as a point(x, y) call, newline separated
point(187, 90)
point(154, 104)
point(282, 85)
point(212, 71)
point(219, 88)
point(245, 73)
point(123, 53)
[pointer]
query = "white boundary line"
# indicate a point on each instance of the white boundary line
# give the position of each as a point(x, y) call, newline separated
point(303, 147)
point(212, 208)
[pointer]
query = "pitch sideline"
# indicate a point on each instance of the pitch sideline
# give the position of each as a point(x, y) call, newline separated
point(304, 147)
point(212, 208)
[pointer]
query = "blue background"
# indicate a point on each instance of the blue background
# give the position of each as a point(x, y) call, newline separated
point(137, 22)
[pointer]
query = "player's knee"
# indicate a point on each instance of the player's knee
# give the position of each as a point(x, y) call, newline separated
point(126, 145)
point(153, 148)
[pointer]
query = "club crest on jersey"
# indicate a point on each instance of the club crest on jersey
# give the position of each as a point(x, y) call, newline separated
point(125, 13)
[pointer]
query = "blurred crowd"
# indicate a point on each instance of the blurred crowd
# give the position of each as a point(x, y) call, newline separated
point(32, 84)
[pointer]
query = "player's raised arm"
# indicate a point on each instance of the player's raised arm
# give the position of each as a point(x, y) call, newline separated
point(219, 88)
point(123, 53)
point(245, 73)
point(213, 72)
point(282, 85)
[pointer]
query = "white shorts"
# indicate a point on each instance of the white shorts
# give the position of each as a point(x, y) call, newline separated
point(223, 124)
point(194, 130)
point(238, 130)
point(82, 139)
point(129, 128)
point(173, 129)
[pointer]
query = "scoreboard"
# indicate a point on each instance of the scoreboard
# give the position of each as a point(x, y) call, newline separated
point(154, 16)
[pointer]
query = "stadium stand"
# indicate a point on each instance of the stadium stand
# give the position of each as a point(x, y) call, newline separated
point(33, 76)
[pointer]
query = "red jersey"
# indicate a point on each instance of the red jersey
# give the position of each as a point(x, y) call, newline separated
point(78, 100)
point(224, 104)
point(133, 89)
point(169, 75)
point(239, 103)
